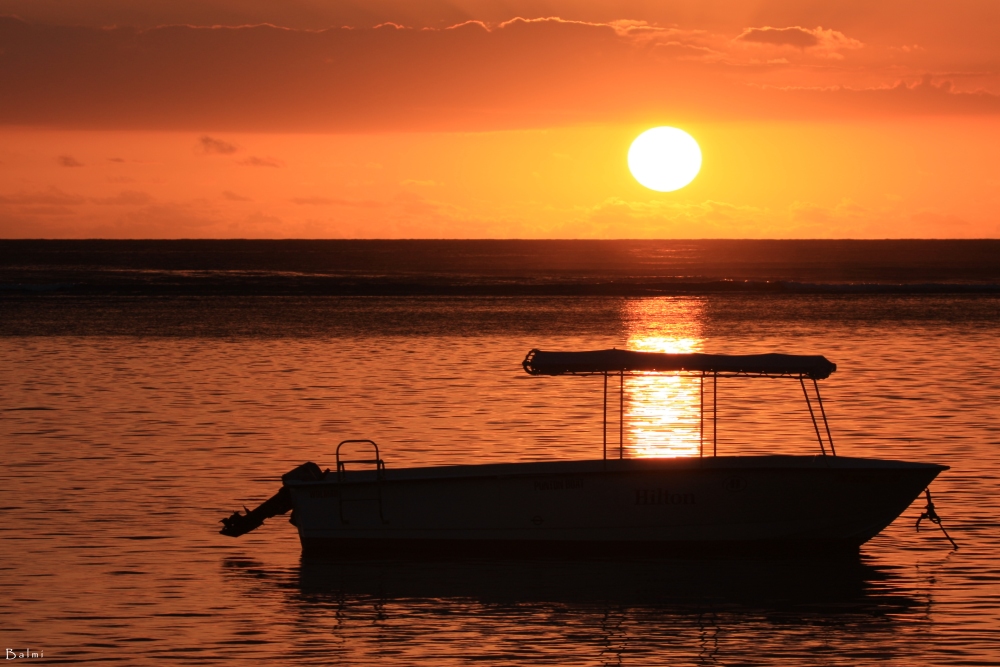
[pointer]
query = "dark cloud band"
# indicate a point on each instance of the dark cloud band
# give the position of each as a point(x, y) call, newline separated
point(519, 74)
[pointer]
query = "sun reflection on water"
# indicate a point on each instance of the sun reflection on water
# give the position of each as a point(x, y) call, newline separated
point(662, 412)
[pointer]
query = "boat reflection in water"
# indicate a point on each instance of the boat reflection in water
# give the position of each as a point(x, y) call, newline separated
point(587, 611)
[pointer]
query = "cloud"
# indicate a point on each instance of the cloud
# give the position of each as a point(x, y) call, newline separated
point(816, 42)
point(45, 211)
point(826, 217)
point(938, 225)
point(232, 196)
point(166, 220)
point(68, 161)
point(313, 201)
point(52, 213)
point(210, 146)
point(659, 219)
point(329, 201)
point(922, 96)
point(521, 73)
point(50, 197)
point(717, 219)
point(254, 161)
point(125, 198)
point(794, 36)
point(53, 196)
point(426, 184)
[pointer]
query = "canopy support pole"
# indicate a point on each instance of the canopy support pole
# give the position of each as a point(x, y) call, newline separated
point(819, 399)
point(701, 418)
point(621, 416)
point(715, 414)
point(812, 414)
point(605, 416)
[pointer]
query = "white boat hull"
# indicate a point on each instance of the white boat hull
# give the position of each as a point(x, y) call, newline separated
point(637, 507)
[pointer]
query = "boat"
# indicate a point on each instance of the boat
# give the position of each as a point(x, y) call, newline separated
point(704, 505)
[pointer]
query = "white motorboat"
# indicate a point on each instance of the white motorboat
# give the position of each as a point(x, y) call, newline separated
point(706, 504)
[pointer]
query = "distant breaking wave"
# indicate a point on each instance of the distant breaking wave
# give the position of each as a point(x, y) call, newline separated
point(497, 268)
point(305, 285)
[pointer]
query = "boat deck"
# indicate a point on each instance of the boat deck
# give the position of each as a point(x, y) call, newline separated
point(542, 468)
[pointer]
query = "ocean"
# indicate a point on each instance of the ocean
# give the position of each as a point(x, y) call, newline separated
point(149, 388)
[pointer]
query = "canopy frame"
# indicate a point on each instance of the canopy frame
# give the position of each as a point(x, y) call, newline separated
point(811, 368)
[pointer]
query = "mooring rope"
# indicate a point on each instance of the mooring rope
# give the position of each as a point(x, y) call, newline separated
point(930, 513)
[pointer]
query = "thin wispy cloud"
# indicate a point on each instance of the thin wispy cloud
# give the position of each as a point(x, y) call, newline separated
point(53, 196)
point(255, 161)
point(335, 201)
point(211, 146)
point(794, 36)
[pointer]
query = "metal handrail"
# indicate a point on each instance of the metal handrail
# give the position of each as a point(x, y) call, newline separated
point(342, 470)
point(812, 415)
point(829, 436)
point(342, 464)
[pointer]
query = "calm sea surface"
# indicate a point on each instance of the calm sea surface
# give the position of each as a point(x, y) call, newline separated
point(129, 425)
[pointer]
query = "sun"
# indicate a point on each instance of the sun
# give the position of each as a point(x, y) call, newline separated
point(664, 159)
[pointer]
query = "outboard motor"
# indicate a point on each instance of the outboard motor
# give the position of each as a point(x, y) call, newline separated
point(240, 524)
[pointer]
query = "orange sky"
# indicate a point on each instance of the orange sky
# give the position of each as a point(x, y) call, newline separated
point(496, 119)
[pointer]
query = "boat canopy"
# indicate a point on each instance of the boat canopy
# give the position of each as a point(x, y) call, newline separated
point(539, 362)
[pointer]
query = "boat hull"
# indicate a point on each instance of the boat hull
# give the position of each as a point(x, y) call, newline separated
point(720, 506)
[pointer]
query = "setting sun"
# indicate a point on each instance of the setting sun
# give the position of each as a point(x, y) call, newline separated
point(664, 159)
